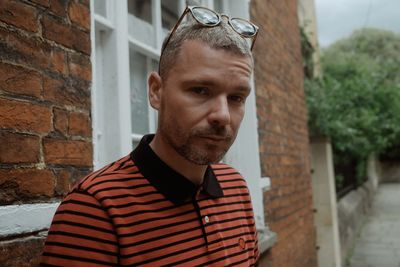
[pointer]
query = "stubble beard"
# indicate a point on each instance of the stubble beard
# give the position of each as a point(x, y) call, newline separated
point(184, 143)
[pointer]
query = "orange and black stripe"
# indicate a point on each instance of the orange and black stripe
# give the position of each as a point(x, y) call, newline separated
point(139, 212)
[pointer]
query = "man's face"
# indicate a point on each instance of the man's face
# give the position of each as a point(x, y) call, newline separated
point(202, 102)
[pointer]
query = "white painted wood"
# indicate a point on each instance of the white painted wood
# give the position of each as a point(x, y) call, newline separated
point(101, 23)
point(156, 5)
point(141, 30)
point(144, 48)
point(123, 81)
point(18, 219)
point(265, 183)
point(96, 132)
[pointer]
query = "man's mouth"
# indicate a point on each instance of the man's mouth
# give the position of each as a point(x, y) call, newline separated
point(215, 138)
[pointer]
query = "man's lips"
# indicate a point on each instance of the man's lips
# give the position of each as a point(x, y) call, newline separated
point(215, 138)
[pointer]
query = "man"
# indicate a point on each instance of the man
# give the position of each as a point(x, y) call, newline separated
point(170, 202)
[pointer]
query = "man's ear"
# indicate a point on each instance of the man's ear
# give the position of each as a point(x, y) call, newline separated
point(155, 90)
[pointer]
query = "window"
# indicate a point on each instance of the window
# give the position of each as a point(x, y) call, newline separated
point(127, 39)
point(143, 117)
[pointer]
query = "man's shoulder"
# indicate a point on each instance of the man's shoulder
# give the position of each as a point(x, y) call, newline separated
point(116, 171)
point(231, 181)
point(224, 171)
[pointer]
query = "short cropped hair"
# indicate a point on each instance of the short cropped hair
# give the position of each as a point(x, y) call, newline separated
point(218, 37)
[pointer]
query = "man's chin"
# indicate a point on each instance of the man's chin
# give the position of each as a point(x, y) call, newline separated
point(206, 158)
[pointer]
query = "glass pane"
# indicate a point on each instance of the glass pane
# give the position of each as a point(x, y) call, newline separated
point(139, 102)
point(140, 9)
point(154, 113)
point(135, 144)
point(100, 7)
point(218, 6)
point(196, 3)
point(169, 13)
point(140, 26)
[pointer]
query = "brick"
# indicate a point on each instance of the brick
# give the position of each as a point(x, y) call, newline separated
point(24, 116)
point(19, 80)
point(19, 49)
point(59, 7)
point(19, 14)
point(58, 61)
point(60, 121)
point(45, 3)
point(68, 152)
point(61, 92)
point(20, 184)
point(23, 251)
point(80, 66)
point(284, 151)
point(19, 148)
point(85, 3)
point(64, 34)
point(79, 14)
point(79, 124)
point(63, 178)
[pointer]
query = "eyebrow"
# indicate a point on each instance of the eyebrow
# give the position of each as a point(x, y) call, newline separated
point(245, 89)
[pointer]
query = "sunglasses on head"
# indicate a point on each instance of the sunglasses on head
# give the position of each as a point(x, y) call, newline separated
point(210, 18)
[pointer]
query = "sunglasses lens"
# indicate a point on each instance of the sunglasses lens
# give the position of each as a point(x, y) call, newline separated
point(205, 16)
point(243, 27)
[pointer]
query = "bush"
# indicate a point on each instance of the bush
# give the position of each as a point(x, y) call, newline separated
point(356, 103)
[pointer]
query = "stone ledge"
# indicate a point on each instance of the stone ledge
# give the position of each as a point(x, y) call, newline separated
point(27, 218)
point(266, 239)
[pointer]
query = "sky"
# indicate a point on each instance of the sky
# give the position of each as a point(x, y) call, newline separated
point(337, 19)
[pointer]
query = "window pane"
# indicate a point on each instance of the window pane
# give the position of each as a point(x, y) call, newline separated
point(154, 113)
point(170, 13)
point(139, 106)
point(140, 26)
point(135, 144)
point(100, 7)
point(140, 9)
point(218, 6)
point(196, 3)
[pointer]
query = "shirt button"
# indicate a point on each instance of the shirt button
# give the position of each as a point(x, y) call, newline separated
point(206, 219)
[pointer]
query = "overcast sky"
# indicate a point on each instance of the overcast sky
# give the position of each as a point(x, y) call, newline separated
point(339, 18)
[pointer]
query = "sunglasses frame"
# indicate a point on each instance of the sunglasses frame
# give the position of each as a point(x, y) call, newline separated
point(190, 9)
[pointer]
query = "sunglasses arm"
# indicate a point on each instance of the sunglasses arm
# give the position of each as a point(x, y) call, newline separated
point(254, 41)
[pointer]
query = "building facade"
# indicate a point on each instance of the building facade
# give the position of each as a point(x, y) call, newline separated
point(73, 97)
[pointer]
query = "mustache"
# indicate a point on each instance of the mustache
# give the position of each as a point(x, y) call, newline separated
point(214, 130)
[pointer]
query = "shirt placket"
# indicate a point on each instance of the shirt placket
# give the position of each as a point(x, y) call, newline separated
point(208, 222)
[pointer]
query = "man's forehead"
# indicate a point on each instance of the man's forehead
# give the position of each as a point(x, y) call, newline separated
point(196, 48)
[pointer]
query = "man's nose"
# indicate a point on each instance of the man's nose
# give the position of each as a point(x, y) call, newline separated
point(219, 113)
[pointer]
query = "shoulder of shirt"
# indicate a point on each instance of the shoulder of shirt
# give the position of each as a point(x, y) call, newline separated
point(111, 171)
point(230, 178)
point(224, 171)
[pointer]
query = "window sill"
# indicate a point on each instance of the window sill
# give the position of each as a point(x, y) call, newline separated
point(266, 239)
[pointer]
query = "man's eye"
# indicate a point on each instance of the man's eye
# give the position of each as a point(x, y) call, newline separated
point(237, 98)
point(200, 90)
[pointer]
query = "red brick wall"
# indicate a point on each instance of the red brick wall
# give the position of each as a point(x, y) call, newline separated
point(284, 145)
point(45, 122)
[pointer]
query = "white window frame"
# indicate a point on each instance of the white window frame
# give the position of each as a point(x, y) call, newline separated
point(111, 145)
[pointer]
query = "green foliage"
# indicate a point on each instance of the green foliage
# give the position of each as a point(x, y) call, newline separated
point(357, 101)
point(307, 51)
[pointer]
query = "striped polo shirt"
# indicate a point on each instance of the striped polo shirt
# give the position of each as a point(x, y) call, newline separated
point(138, 211)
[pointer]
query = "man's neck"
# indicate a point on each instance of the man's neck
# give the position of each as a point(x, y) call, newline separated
point(193, 172)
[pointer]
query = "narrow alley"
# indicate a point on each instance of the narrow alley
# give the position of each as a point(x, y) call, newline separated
point(378, 244)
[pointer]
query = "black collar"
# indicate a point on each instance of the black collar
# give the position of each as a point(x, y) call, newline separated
point(174, 186)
